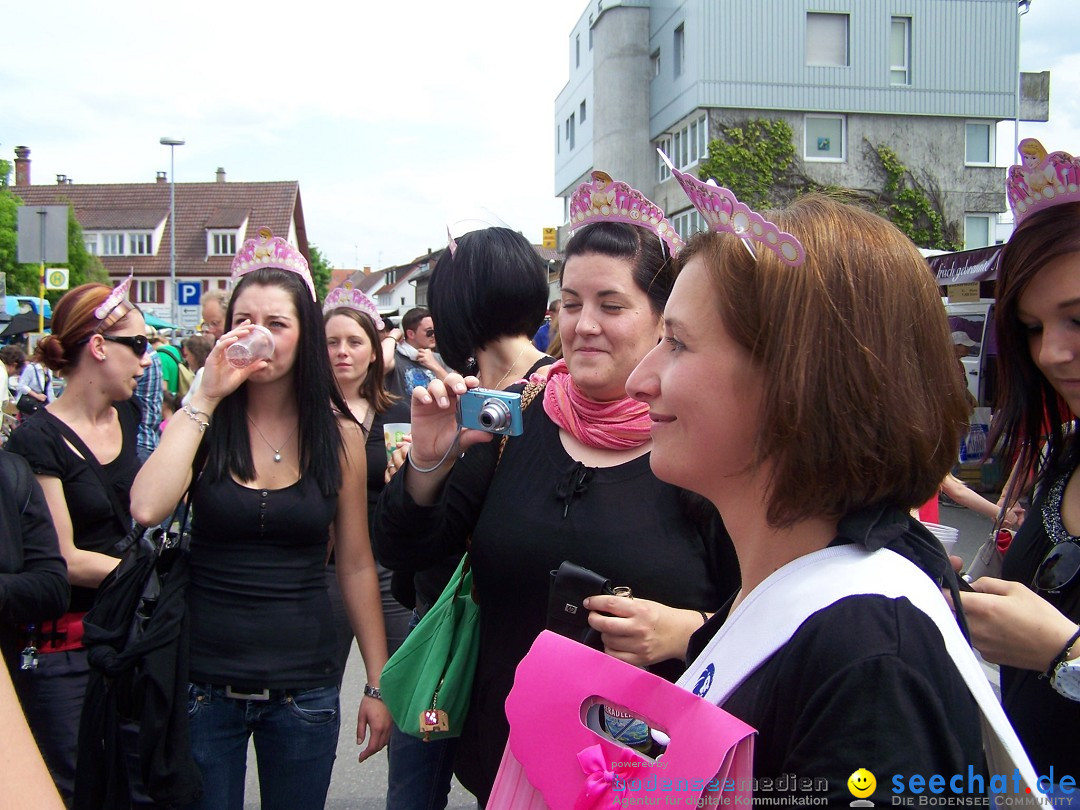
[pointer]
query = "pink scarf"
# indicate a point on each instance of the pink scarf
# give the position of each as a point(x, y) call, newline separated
point(619, 425)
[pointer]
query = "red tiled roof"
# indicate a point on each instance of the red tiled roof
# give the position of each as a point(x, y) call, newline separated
point(199, 206)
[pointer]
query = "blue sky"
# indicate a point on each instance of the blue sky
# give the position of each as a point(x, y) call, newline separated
point(396, 118)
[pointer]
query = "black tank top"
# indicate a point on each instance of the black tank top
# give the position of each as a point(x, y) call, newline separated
point(260, 615)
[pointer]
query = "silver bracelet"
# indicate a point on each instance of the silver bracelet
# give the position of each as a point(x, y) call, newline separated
point(453, 446)
point(193, 414)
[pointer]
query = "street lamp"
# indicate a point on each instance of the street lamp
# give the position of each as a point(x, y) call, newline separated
point(172, 143)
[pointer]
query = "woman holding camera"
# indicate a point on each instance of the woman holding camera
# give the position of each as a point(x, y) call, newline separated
point(576, 485)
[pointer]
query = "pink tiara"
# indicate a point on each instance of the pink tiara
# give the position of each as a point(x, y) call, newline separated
point(271, 251)
point(107, 310)
point(724, 213)
point(1041, 180)
point(607, 200)
point(349, 297)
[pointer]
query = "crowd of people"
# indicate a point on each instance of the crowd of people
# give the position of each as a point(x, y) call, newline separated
point(736, 431)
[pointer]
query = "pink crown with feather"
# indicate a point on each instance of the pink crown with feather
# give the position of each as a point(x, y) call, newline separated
point(350, 297)
point(271, 251)
point(115, 306)
point(606, 200)
point(1041, 180)
point(722, 210)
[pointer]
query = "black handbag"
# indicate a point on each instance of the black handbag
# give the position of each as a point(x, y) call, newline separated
point(28, 404)
point(570, 585)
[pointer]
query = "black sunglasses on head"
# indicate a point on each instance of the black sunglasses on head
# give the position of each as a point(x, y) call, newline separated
point(137, 343)
point(1058, 567)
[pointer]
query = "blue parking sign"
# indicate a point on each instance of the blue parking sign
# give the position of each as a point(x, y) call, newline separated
point(188, 293)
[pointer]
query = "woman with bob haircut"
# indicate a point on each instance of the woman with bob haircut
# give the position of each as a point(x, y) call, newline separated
point(815, 405)
point(574, 486)
point(277, 468)
point(1028, 621)
point(98, 344)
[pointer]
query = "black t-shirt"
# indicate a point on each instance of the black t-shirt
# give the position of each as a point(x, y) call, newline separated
point(864, 683)
point(1045, 721)
point(258, 604)
point(94, 524)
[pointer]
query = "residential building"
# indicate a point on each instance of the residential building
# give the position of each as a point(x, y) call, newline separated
point(929, 78)
point(127, 226)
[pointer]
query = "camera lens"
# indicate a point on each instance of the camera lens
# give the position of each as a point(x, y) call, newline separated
point(494, 415)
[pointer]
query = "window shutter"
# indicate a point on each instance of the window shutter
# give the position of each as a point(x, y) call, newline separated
point(160, 291)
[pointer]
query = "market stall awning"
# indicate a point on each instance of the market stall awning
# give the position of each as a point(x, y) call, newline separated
point(966, 266)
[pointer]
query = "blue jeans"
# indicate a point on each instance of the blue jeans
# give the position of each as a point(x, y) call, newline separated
point(295, 732)
point(419, 773)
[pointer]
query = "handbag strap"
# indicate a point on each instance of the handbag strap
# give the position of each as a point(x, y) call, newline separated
point(99, 471)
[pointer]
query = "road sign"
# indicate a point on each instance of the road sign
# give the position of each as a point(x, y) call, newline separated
point(190, 317)
point(188, 293)
point(42, 234)
point(56, 278)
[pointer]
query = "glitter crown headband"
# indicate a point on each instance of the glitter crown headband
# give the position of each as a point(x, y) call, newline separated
point(605, 200)
point(349, 297)
point(722, 210)
point(115, 306)
point(271, 251)
point(1041, 180)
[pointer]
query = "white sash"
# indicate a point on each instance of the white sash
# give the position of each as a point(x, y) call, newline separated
point(770, 614)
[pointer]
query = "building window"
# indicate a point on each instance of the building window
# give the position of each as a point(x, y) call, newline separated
point(979, 144)
point(577, 50)
point(222, 243)
point(688, 223)
point(590, 31)
point(827, 39)
point(570, 131)
point(900, 51)
point(680, 51)
point(976, 231)
point(112, 244)
point(91, 242)
point(147, 292)
point(140, 244)
point(825, 137)
point(685, 146)
point(391, 277)
point(655, 62)
point(581, 112)
point(558, 140)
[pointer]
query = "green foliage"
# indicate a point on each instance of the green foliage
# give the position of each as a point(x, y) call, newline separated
point(320, 270)
point(753, 158)
point(908, 203)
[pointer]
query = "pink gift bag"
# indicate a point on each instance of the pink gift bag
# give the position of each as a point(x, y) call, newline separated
point(555, 761)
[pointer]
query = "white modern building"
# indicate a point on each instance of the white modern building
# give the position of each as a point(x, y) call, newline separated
point(929, 78)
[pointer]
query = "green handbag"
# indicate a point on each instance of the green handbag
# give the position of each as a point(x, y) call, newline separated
point(427, 683)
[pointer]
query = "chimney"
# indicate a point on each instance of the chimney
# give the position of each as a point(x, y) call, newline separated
point(162, 177)
point(367, 269)
point(61, 179)
point(22, 165)
point(220, 174)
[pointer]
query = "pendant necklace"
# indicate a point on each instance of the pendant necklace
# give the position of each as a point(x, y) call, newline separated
point(498, 385)
point(277, 451)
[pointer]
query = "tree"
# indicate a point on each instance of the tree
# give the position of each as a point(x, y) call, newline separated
point(320, 270)
point(754, 159)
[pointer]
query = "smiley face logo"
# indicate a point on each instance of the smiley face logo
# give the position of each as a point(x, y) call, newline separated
point(861, 783)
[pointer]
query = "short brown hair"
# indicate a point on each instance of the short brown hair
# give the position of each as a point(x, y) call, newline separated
point(862, 405)
point(73, 322)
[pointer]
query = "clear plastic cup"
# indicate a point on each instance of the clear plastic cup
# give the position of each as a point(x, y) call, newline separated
point(258, 344)
point(948, 535)
point(394, 432)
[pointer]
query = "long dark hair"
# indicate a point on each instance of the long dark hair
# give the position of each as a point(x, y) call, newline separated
point(652, 267)
point(1027, 405)
point(494, 285)
point(227, 446)
point(373, 388)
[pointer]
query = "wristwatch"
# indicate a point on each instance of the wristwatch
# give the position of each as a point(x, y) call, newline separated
point(1065, 674)
point(372, 691)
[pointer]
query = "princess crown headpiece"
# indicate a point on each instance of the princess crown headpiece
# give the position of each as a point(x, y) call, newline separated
point(722, 210)
point(271, 251)
point(115, 306)
point(605, 200)
point(1041, 180)
point(350, 297)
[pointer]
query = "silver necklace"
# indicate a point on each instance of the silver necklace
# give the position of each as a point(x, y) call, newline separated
point(277, 451)
point(498, 385)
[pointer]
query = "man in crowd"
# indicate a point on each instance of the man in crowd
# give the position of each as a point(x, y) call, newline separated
point(416, 363)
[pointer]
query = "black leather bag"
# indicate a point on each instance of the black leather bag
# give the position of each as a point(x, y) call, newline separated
point(570, 585)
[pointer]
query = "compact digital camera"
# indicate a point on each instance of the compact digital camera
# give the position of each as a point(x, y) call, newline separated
point(491, 411)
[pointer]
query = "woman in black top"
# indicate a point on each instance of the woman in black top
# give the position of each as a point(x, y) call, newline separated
point(277, 469)
point(98, 344)
point(1028, 621)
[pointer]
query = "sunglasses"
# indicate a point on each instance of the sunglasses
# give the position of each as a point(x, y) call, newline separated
point(137, 343)
point(1058, 567)
point(429, 332)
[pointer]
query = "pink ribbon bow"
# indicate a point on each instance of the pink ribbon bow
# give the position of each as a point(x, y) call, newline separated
point(601, 784)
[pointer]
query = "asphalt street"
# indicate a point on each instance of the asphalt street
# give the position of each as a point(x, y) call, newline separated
point(363, 787)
